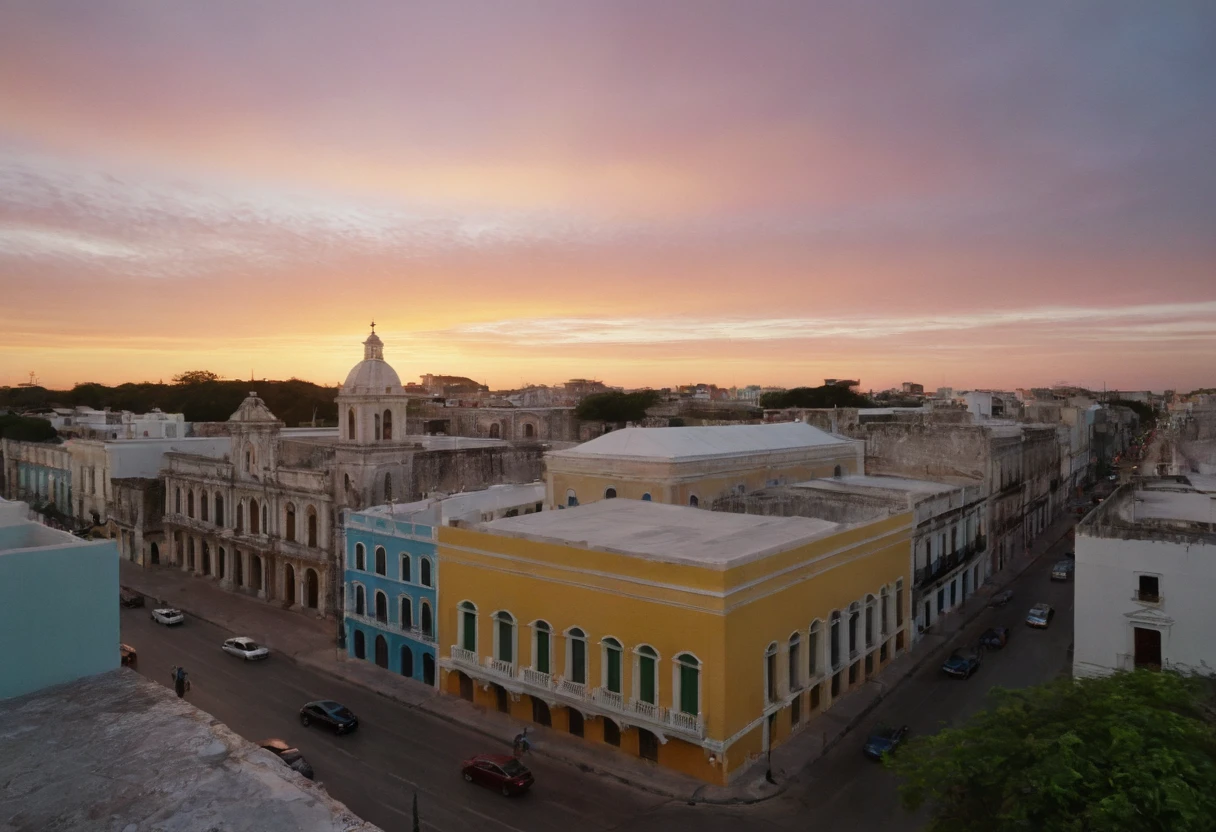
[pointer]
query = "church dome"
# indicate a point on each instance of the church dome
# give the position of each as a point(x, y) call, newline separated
point(372, 376)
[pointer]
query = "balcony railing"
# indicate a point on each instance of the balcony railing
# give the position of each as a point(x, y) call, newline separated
point(1146, 597)
point(926, 576)
point(415, 633)
point(578, 694)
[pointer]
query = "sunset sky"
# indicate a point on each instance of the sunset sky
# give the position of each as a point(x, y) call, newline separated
point(966, 193)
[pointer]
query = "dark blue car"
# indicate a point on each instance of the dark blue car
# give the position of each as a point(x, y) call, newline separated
point(329, 713)
point(884, 740)
point(962, 663)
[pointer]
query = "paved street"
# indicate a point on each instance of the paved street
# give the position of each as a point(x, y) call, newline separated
point(399, 750)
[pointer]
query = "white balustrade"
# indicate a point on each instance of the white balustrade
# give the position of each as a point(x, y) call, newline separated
point(465, 657)
point(536, 677)
point(500, 667)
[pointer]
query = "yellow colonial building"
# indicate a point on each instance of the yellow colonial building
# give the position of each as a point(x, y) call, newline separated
point(692, 638)
point(694, 466)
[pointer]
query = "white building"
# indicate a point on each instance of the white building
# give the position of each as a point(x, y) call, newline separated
point(108, 424)
point(1145, 577)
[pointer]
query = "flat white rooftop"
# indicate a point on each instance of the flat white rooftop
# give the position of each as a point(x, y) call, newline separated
point(854, 483)
point(1165, 500)
point(704, 442)
point(666, 533)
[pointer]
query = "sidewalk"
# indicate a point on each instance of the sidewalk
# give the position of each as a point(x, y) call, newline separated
point(310, 641)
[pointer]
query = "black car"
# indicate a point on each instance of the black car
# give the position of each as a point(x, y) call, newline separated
point(130, 598)
point(884, 741)
point(962, 663)
point(330, 713)
point(995, 638)
point(291, 756)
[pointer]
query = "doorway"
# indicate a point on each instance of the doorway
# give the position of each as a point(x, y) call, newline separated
point(313, 585)
point(648, 745)
point(360, 646)
point(407, 661)
point(540, 712)
point(381, 652)
point(612, 733)
point(289, 584)
point(1148, 648)
point(466, 687)
point(155, 554)
point(576, 723)
point(428, 669)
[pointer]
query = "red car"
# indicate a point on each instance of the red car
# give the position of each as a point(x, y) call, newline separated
point(498, 771)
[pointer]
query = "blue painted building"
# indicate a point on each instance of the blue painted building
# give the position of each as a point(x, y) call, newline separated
point(391, 575)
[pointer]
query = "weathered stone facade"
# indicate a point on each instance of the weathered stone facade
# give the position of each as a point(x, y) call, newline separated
point(527, 424)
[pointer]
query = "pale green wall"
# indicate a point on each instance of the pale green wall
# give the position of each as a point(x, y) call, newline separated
point(58, 614)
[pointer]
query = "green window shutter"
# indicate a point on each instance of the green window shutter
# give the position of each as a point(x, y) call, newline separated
point(504, 641)
point(614, 670)
point(542, 652)
point(470, 631)
point(578, 658)
point(646, 682)
point(690, 677)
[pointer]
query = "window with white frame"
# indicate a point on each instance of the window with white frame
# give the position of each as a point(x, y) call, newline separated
point(424, 572)
point(381, 561)
point(405, 567)
point(360, 600)
point(686, 683)
point(468, 625)
point(360, 557)
point(795, 662)
point(407, 611)
point(611, 665)
point(542, 647)
point(428, 619)
point(504, 636)
point(813, 646)
point(576, 656)
point(645, 674)
point(770, 673)
point(834, 640)
point(870, 637)
point(884, 600)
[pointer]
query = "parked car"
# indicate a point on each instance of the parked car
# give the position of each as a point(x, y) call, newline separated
point(330, 713)
point(168, 615)
point(1001, 598)
point(129, 656)
point(245, 648)
point(1040, 616)
point(995, 638)
point(962, 663)
point(1063, 570)
point(498, 771)
point(884, 740)
point(291, 756)
point(130, 598)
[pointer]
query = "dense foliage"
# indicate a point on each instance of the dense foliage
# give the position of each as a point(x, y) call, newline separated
point(827, 395)
point(200, 398)
point(1132, 751)
point(616, 407)
point(27, 429)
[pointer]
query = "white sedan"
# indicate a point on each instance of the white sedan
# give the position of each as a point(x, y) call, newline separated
point(168, 616)
point(246, 648)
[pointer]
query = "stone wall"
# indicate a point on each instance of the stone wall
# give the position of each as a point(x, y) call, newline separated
point(926, 451)
point(472, 469)
point(800, 502)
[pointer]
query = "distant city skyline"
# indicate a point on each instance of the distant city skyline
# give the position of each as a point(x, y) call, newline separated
point(962, 194)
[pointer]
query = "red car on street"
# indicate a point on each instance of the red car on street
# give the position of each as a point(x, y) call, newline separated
point(498, 771)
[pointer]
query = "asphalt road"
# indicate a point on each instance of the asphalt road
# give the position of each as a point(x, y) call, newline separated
point(398, 750)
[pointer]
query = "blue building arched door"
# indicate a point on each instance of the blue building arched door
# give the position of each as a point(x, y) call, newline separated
point(407, 661)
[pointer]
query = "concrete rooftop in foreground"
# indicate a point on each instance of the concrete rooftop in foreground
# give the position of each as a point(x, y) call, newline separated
point(118, 752)
point(851, 483)
point(660, 532)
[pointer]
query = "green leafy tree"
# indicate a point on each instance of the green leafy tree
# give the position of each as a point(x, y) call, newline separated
point(26, 428)
point(827, 395)
point(195, 377)
point(616, 406)
point(1128, 752)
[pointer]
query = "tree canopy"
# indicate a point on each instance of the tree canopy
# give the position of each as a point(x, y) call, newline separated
point(195, 377)
point(616, 406)
point(26, 428)
point(827, 395)
point(1132, 751)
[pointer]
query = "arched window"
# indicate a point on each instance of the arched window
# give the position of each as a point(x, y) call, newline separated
point(812, 648)
point(646, 498)
point(428, 621)
point(688, 684)
point(190, 503)
point(266, 517)
point(240, 517)
point(899, 603)
point(177, 504)
point(360, 600)
point(884, 615)
point(381, 606)
point(407, 661)
point(376, 422)
point(529, 431)
point(350, 424)
point(837, 472)
point(360, 557)
point(571, 498)
point(495, 431)
point(854, 617)
point(424, 572)
point(770, 672)
point(795, 662)
point(405, 568)
point(388, 486)
point(468, 625)
point(219, 509)
point(387, 422)
point(407, 612)
point(346, 482)
point(312, 526)
point(645, 677)
point(542, 646)
point(610, 494)
point(869, 621)
point(576, 656)
point(693, 501)
point(611, 661)
point(834, 640)
point(504, 636)
point(254, 526)
point(289, 522)
point(360, 645)
point(204, 506)
point(381, 561)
